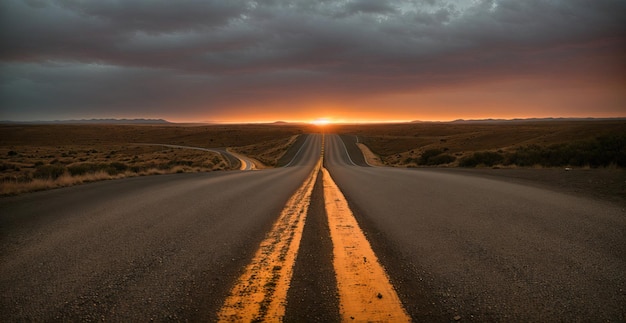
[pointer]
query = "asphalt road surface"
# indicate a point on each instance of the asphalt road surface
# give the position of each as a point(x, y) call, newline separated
point(455, 247)
point(471, 248)
point(160, 247)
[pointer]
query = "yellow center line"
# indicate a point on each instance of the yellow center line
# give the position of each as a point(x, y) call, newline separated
point(365, 293)
point(260, 293)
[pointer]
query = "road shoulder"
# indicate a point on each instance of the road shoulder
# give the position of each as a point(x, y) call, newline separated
point(370, 157)
point(600, 184)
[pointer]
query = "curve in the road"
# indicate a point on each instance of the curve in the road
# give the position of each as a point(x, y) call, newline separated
point(236, 161)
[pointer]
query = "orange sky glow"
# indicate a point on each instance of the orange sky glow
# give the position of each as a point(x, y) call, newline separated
point(503, 100)
point(294, 61)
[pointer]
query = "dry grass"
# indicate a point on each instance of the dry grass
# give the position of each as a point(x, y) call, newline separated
point(403, 145)
point(36, 157)
point(28, 153)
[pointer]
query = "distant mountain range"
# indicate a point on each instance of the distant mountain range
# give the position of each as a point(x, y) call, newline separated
point(162, 121)
point(524, 120)
point(93, 121)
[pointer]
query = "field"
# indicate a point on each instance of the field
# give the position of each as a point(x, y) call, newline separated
point(531, 153)
point(508, 144)
point(35, 157)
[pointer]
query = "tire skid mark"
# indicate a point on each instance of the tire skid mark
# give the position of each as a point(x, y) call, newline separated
point(365, 292)
point(261, 291)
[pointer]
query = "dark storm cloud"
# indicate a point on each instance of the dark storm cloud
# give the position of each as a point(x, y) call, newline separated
point(100, 57)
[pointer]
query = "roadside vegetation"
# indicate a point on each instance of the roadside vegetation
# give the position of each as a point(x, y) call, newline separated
point(36, 168)
point(589, 144)
point(431, 157)
point(607, 151)
point(37, 157)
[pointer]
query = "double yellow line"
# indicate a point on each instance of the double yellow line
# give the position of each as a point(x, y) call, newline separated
point(365, 293)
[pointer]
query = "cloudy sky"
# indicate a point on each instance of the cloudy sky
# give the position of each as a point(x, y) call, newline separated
point(362, 60)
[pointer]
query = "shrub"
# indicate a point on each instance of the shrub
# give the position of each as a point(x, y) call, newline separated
point(525, 156)
point(434, 157)
point(137, 169)
point(409, 160)
point(487, 158)
point(92, 168)
point(469, 161)
point(424, 159)
point(81, 169)
point(49, 171)
point(441, 159)
point(173, 163)
point(116, 168)
point(598, 152)
point(86, 168)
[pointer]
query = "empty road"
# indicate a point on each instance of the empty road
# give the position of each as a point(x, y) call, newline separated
point(487, 250)
point(192, 246)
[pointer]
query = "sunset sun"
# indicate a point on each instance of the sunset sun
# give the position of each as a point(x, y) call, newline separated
point(321, 121)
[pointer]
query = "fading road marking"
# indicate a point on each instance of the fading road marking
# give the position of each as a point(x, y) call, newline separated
point(260, 293)
point(365, 293)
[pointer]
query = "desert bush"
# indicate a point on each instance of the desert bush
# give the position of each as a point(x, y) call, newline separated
point(441, 159)
point(469, 161)
point(427, 155)
point(137, 169)
point(49, 172)
point(487, 158)
point(598, 152)
point(7, 166)
point(81, 169)
point(410, 160)
point(23, 178)
point(525, 156)
point(116, 168)
point(92, 168)
point(173, 163)
point(434, 157)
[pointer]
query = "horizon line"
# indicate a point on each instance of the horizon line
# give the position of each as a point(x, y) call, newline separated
point(311, 122)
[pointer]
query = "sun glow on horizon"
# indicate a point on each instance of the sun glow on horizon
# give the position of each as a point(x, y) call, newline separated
point(321, 121)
